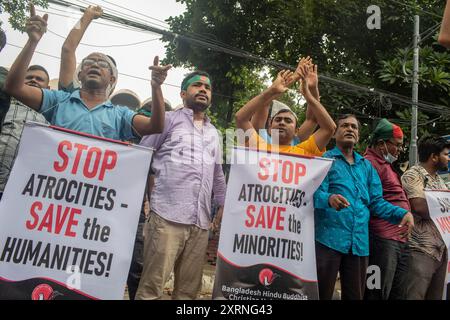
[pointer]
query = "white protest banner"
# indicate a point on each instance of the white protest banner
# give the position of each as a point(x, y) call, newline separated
point(266, 246)
point(69, 215)
point(439, 208)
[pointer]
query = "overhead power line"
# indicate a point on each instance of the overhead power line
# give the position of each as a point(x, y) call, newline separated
point(396, 98)
point(418, 9)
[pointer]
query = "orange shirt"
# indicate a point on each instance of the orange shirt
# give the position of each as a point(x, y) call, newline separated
point(305, 148)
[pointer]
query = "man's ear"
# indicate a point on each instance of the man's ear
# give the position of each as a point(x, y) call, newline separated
point(112, 80)
point(435, 158)
point(183, 94)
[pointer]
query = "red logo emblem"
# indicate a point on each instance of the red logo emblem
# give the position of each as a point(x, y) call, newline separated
point(44, 292)
point(266, 277)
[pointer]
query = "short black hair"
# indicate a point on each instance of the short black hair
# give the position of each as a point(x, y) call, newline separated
point(345, 116)
point(40, 68)
point(431, 145)
point(192, 74)
point(2, 39)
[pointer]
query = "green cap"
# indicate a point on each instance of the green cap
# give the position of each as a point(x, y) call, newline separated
point(386, 130)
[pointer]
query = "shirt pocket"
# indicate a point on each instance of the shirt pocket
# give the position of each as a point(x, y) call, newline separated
point(109, 132)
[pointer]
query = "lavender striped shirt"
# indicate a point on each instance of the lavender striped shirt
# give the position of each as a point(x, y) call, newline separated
point(187, 168)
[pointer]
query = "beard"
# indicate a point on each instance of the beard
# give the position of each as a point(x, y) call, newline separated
point(91, 84)
point(197, 106)
point(443, 166)
point(282, 137)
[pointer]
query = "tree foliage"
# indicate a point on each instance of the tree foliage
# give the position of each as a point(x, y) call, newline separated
point(19, 11)
point(334, 33)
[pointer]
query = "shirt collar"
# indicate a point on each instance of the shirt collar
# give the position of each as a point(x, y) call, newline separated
point(336, 152)
point(374, 155)
point(76, 96)
point(425, 173)
point(190, 114)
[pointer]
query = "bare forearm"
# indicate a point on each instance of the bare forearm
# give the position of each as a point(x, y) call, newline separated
point(321, 115)
point(158, 111)
point(16, 76)
point(68, 57)
point(419, 207)
point(444, 36)
point(254, 106)
point(76, 34)
point(259, 119)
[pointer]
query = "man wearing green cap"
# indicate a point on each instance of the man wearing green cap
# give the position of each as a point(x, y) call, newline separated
point(388, 249)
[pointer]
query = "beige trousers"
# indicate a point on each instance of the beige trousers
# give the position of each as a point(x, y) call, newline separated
point(171, 246)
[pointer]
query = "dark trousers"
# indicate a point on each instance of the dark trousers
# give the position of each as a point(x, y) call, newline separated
point(392, 258)
point(426, 277)
point(137, 260)
point(351, 268)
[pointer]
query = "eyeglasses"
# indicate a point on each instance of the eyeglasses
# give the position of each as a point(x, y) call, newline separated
point(101, 63)
point(399, 146)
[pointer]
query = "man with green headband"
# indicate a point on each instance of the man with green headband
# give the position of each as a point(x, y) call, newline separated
point(388, 249)
point(188, 174)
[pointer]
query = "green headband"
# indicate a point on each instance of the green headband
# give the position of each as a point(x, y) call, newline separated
point(196, 78)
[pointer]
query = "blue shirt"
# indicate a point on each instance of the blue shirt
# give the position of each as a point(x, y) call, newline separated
point(347, 231)
point(67, 110)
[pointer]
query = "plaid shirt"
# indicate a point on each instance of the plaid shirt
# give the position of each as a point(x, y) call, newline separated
point(425, 236)
point(10, 135)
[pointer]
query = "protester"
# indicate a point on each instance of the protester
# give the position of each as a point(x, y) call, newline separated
point(349, 194)
point(13, 125)
point(87, 109)
point(428, 259)
point(137, 260)
point(187, 169)
point(444, 36)
point(261, 121)
point(283, 124)
point(388, 249)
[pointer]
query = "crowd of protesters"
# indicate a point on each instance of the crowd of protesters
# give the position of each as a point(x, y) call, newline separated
point(365, 212)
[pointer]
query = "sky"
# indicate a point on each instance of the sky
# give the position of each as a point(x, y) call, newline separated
point(132, 59)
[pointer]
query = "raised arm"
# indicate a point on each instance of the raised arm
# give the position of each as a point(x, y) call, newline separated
point(259, 119)
point(147, 126)
point(68, 57)
point(258, 103)
point(324, 120)
point(310, 124)
point(15, 82)
point(444, 36)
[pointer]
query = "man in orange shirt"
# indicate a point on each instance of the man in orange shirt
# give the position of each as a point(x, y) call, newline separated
point(283, 124)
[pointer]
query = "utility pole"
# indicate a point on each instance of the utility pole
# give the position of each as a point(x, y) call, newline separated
point(415, 94)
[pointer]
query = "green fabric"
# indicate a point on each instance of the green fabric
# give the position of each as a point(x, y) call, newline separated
point(144, 112)
point(196, 78)
point(383, 131)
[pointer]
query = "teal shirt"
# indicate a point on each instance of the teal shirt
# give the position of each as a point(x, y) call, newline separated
point(347, 231)
point(67, 110)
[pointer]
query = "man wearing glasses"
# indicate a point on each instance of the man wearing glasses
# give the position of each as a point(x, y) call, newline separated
point(388, 249)
point(88, 109)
